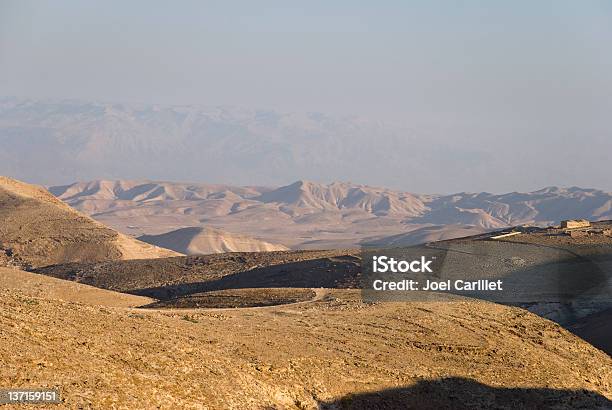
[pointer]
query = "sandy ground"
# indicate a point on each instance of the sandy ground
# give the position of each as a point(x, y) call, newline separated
point(569, 284)
point(332, 352)
point(41, 286)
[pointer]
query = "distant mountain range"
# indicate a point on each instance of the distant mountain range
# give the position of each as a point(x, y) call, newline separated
point(64, 141)
point(312, 215)
point(57, 142)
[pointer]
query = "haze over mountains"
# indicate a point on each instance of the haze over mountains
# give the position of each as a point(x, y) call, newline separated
point(310, 215)
point(208, 228)
point(66, 141)
point(76, 141)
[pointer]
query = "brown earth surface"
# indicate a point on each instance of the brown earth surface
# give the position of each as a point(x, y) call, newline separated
point(597, 329)
point(533, 266)
point(558, 237)
point(37, 229)
point(164, 278)
point(35, 285)
point(320, 346)
point(336, 352)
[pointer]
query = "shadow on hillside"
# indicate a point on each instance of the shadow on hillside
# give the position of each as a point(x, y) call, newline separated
point(460, 393)
point(336, 273)
point(572, 288)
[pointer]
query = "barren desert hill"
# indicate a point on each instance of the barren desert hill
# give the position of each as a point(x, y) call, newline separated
point(329, 351)
point(41, 286)
point(37, 229)
point(563, 278)
point(164, 278)
point(427, 234)
point(309, 215)
point(22, 189)
point(335, 352)
point(200, 241)
point(143, 191)
point(336, 196)
point(301, 196)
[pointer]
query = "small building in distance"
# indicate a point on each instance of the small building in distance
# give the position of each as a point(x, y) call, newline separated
point(575, 224)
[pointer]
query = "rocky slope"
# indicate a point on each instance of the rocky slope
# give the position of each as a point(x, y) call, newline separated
point(332, 353)
point(427, 234)
point(37, 229)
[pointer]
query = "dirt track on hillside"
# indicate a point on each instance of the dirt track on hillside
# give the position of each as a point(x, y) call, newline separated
point(336, 351)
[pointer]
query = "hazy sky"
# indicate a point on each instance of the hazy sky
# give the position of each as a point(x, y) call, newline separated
point(491, 72)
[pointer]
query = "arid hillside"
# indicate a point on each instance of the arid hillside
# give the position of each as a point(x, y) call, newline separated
point(289, 329)
point(545, 270)
point(427, 234)
point(333, 352)
point(309, 215)
point(165, 278)
point(282, 330)
point(37, 229)
point(41, 286)
point(201, 241)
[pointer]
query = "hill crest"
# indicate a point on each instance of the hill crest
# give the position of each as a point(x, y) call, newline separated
point(38, 229)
